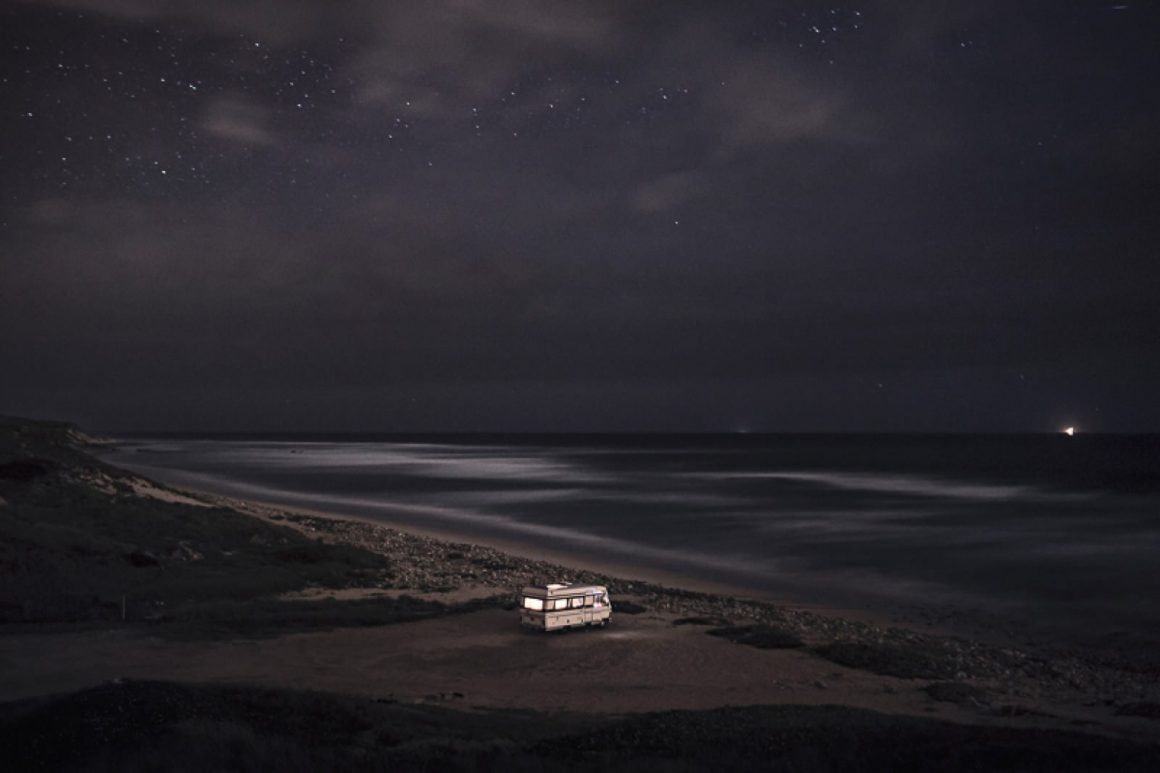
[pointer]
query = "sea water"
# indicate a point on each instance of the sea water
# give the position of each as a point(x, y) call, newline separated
point(1031, 532)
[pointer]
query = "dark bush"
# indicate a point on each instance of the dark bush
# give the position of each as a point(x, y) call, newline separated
point(717, 621)
point(142, 558)
point(25, 469)
point(762, 636)
point(956, 692)
point(1144, 709)
point(628, 608)
point(308, 553)
point(911, 660)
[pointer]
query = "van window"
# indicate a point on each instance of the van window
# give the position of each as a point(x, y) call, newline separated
point(577, 602)
point(533, 603)
point(560, 604)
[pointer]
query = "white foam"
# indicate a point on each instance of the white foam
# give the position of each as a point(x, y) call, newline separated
point(889, 484)
point(559, 536)
point(421, 460)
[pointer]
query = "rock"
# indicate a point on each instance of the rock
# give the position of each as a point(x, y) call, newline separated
point(183, 551)
point(142, 558)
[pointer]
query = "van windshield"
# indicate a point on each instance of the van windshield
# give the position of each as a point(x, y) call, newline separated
point(530, 602)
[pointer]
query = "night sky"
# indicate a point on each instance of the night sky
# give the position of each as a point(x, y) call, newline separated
point(581, 216)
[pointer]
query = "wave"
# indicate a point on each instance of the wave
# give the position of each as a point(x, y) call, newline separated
point(561, 537)
point(888, 484)
point(427, 460)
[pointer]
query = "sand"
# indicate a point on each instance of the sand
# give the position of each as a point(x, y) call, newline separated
point(483, 659)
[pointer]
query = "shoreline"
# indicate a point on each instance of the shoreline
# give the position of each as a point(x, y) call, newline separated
point(585, 563)
point(925, 618)
point(925, 592)
point(948, 619)
point(933, 613)
point(705, 597)
point(922, 616)
point(932, 617)
point(582, 560)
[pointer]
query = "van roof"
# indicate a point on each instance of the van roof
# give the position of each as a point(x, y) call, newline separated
point(562, 589)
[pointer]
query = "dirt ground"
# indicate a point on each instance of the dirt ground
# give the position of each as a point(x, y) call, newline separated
point(484, 659)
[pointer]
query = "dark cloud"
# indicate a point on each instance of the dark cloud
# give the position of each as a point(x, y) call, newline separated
point(235, 118)
point(474, 215)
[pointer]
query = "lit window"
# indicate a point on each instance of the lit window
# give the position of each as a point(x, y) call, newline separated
point(577, 602)
point(533, 603)
point(561, 604)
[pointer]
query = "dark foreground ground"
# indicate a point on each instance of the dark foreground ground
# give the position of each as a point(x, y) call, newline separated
point(137, 726)
point(98, 564)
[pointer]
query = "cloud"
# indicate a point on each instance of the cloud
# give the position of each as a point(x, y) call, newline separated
point(751, 97)
point(437, 58)
point(432, 54)
point(763, 103)
point(271, 20)
point(122, 255)
point(665, 192)
point(389, 259)
point(556, 23)
point(916, 27)
point(237, 120)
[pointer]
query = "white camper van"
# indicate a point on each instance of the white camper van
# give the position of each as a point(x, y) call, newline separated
point(560, 605)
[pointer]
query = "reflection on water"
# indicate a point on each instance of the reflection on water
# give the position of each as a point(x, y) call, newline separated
point(1067, 532)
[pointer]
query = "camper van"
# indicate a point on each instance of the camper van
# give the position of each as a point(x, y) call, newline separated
point(560, 605)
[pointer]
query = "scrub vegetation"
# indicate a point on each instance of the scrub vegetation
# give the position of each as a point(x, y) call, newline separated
point(85, 544)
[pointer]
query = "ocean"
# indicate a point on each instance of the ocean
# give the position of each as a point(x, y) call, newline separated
point(1032, 533)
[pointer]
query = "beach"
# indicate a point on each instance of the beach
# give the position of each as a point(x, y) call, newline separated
point(453, 642)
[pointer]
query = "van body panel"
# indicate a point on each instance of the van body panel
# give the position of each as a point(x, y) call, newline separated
point(561, 605)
